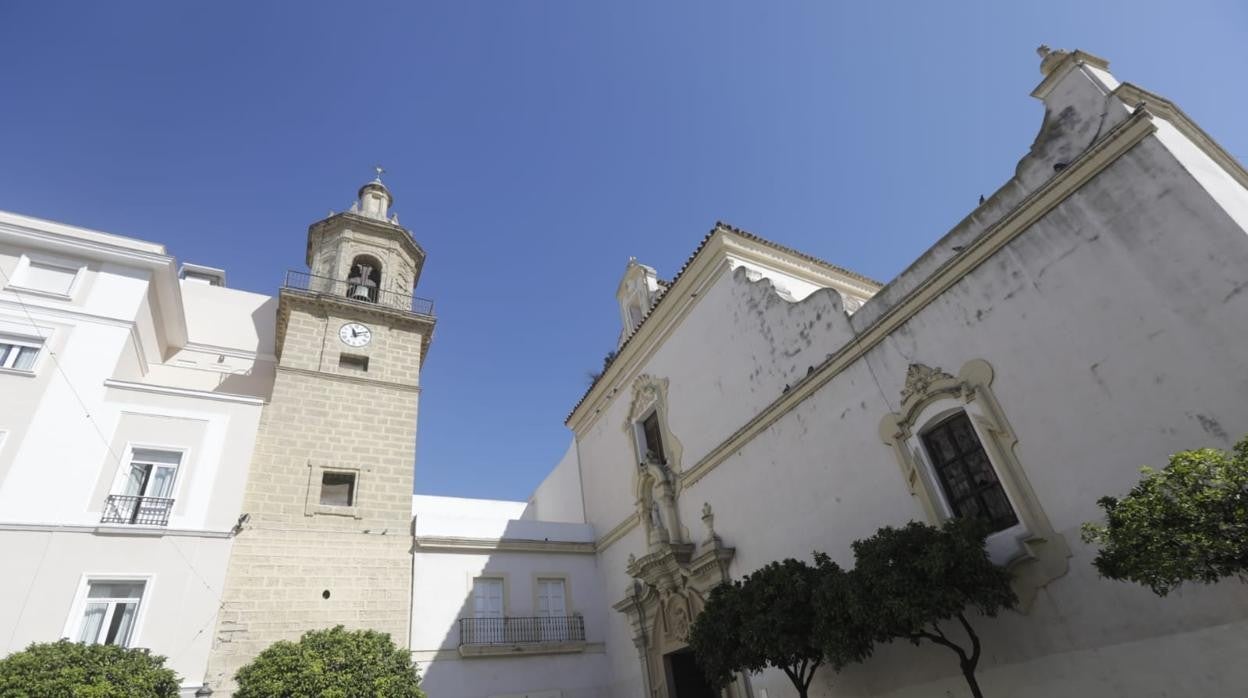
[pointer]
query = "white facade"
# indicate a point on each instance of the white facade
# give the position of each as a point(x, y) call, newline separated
point(144, 385)
point(1084, 320)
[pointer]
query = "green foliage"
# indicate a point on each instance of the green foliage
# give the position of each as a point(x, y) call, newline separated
point(76, 670)
point(767, 619)
point(716, 638)
point(909, 580)
point(334, 663)
point(838, 627)
point(1185, 523)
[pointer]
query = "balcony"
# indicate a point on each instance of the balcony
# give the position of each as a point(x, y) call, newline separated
point(140, 511)
point(516, 635)
point(304, 282)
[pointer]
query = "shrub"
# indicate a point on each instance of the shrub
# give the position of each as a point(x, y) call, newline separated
point(335, 663)
point(75, 670)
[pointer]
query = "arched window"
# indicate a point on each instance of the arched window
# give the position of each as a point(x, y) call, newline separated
point(364, 281)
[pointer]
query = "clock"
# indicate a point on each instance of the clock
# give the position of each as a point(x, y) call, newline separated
point(353, 334)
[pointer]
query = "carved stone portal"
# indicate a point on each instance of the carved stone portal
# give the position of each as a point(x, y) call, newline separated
point(670, 587)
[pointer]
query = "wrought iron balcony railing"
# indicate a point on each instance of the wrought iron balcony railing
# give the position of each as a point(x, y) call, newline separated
point(357, 292)
point(521, 631)
point(143, 511)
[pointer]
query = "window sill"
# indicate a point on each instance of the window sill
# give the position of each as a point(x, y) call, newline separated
point(330, 510)
point(522, 650)
point(16, 372)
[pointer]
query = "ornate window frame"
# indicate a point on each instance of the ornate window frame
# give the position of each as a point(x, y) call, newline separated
point(655, 483)
point(1034, 551)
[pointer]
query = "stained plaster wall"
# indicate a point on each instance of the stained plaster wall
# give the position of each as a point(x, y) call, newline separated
point(1112, 326)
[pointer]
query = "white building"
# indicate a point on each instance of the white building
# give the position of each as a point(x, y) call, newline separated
point(1086, 319)
point(131, 396)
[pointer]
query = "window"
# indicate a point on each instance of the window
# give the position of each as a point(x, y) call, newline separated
point(653, 438)
point(957, 454)
point(352, 362)
point(966, 475)
point(19, 354)
point(487, 608)
point(47, 277)
point(144, 495)
point(552, 610)
point(110, 612)
point(337, 489)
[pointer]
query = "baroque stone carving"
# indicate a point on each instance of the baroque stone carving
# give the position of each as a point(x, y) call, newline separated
point(919, 378)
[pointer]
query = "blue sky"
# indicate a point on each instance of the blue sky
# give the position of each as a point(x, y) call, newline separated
point(534, 146)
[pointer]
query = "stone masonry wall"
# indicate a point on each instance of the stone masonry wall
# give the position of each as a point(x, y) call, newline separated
point(291, 551)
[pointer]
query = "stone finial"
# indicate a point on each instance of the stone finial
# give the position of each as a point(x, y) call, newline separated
point(1049, 58)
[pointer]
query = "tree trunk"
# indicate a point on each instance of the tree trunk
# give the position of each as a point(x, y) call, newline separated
point(969, 672)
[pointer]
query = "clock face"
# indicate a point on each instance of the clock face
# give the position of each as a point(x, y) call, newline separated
point(353, 334)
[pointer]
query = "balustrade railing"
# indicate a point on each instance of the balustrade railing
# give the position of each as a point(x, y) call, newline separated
point(357, 292)
point(131, 509)
point(521, 631)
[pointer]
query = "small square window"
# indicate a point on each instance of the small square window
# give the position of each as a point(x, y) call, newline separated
point(337, 489)
point(352, 362)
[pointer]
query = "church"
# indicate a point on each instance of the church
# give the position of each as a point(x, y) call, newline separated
point(203, 471)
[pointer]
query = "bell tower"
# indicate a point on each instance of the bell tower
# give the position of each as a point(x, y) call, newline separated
point(325, 537)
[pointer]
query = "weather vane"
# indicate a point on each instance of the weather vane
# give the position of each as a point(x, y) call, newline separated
point(380, 171)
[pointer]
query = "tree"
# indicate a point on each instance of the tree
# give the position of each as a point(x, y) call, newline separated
point(838, 628)
point(1185, 523)
point(765, 619)
point(335, 663)
point(910, 580)
point(78, 670)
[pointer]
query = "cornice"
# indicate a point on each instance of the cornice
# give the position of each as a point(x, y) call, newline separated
point(183, 392)
point(1091, 162)
point(1165, 109)
point(137, 531)
point(356, 221)
point(456, 544)
point(619, 531)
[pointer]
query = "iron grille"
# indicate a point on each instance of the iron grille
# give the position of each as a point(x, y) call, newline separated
point(521, 631)
point(131, 509)
point(356, 292)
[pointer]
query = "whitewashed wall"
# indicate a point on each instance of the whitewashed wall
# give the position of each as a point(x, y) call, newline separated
point(1114, 325)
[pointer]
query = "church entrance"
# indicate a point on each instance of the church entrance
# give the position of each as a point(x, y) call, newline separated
point(685, 678)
